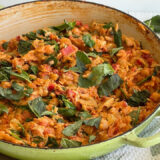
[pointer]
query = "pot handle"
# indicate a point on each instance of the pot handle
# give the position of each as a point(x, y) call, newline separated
point(134, 140)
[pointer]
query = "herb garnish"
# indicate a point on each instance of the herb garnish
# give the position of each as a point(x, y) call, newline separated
point(139, 98)
point(96, 76)
point(24, 46)
point(93, 122)
point(88, 40)
point(72, 129)
point(67, 143)
point(81, 59)
point(108, 86)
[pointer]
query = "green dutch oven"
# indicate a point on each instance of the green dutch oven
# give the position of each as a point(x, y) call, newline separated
point(30, 16)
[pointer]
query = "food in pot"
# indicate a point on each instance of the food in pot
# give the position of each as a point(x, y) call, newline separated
point(74, 84)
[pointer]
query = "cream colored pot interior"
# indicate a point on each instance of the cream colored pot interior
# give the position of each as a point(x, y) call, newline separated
point(32, 16)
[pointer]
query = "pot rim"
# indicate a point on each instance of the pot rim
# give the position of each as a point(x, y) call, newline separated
point(105, 6)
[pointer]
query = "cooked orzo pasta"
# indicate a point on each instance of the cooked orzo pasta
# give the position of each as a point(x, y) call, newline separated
point(71, 85)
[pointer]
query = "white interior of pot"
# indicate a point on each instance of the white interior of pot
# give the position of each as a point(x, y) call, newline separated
point(32, 16)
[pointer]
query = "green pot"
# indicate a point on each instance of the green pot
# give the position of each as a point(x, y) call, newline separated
point(26, 17)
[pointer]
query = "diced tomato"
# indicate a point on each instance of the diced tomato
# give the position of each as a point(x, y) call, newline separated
point(145, 56)
point(125, 104)
point(86, 26)
point(78, 23)
point(51, 88)
point(139, 62)
point(18, 38)
point(70, 93)
point(51, 36)
point(150, 60)
point(115, 66)
point(55, 71)
point(68, 50)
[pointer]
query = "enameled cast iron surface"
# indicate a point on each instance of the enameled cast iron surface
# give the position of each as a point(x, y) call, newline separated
point(26, 17)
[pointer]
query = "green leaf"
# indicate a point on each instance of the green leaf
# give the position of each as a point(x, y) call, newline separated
point(51, 61)
point(81, 59)
point(139, 98)
point(92, 54)
point(24, 47)
point(117, 37)
point(22, 128)
point(91, 138)
point(88, 40)
point(5, 45)
point(31, 35)
point(108, 86)
point(66, 26)
point(23, 75)
point(41, 32)
point(8, 94)
point(67, 112)
point(37, 139)
point(59, 120)
point(33, 69)
point(135, 117)
point(115, 51)
point(56, 45)
point(154, 23)
point(52, 143)
point(93, 122)
point(3, 109)
point(15, 134)
point(108, 25)
point(72, 129)
point(67, 143)
point(37, 106)
point(85, 115)
point(96, 76)
point(47, 113)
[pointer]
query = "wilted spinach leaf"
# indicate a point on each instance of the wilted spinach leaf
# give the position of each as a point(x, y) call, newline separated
point(3, 109)
point(139, 98)
point(5, 45)
point(24, 46)
point(93, 122)
point(135, 117)
point(33, 69)
point(38, 107)
point(81, 59)
point(31, 35)
point(114, 51)
point(117, 37)
point(72, 129)
point(52, 143)
point(51, 60)
point(23, 75)
point(108, 25)
point(107, 87)
point(85, 115)
point(88, 40)
point(41, 32)
point(37, 139)
point(154, 23)
point(91, 138)
point(69, 109)
point(96, 76)
point(66, 26)
point(67, 143)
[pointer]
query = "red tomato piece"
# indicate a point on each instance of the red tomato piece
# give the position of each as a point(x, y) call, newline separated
point(51, 88)
point(68, 50)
